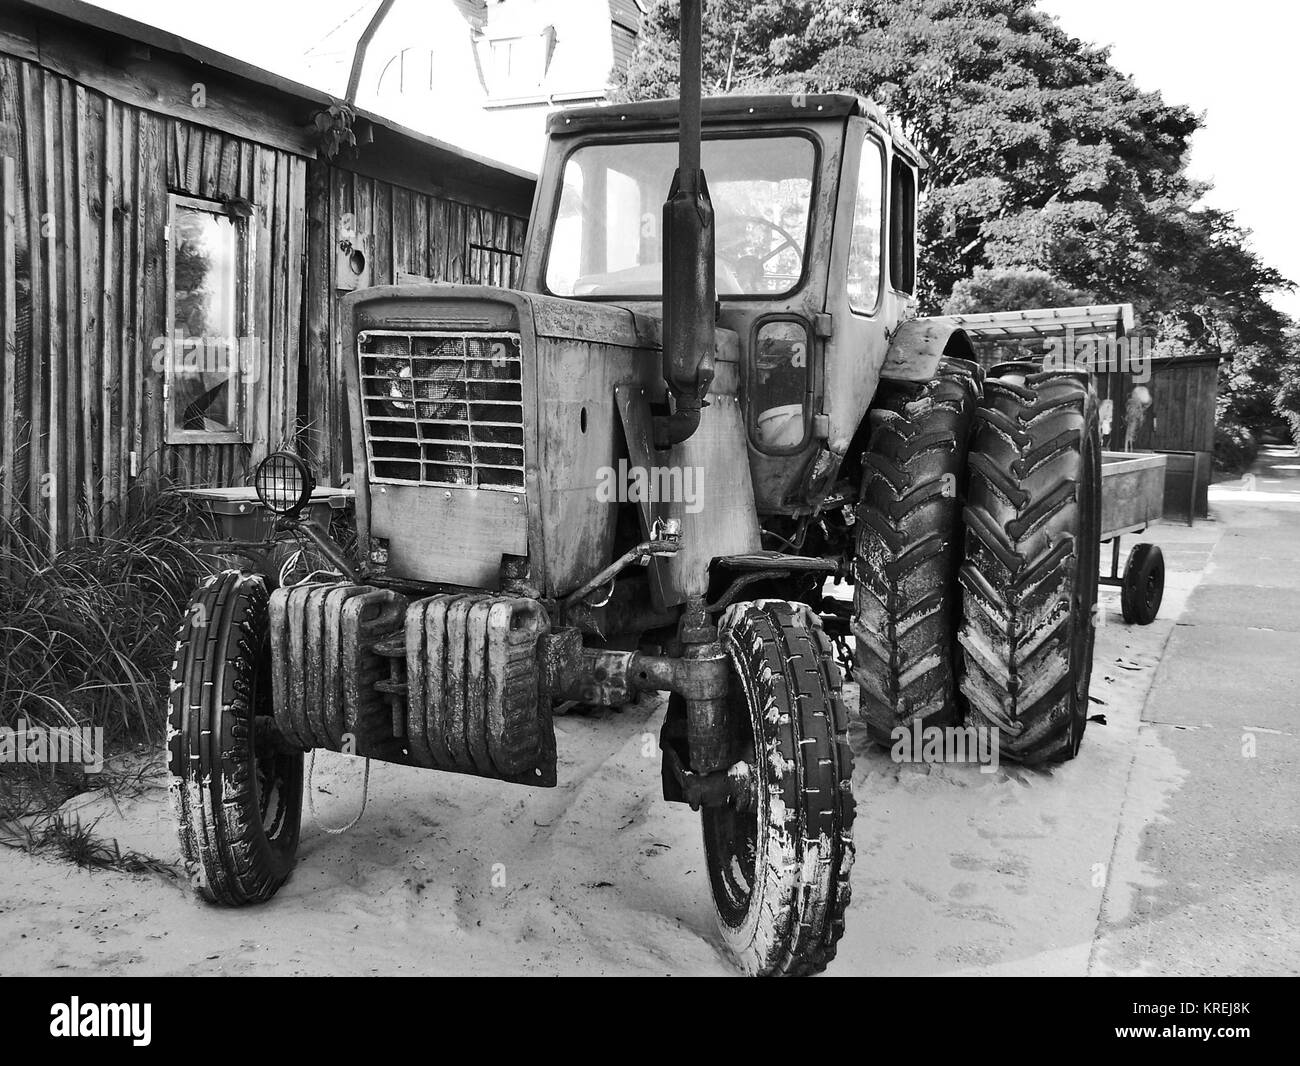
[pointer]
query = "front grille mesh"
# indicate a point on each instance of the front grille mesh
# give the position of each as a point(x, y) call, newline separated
point(443, 408)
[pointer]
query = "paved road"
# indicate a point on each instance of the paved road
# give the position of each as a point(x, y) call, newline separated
point(1205, 878)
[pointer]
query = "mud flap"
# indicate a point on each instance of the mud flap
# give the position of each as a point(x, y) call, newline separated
point(721, 519)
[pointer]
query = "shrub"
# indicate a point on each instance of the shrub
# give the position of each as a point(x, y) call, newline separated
point(86, 638)
point(1235, 447)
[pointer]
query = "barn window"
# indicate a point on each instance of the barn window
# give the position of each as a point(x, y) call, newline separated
point(208, 356)
point(902, 228)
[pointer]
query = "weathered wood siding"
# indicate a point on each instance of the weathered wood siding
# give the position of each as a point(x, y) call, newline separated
point(84, 186)
point(92, 183)
point(1184, 392)
point(408, 236)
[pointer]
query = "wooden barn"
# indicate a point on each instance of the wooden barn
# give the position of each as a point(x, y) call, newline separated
point(176, 234)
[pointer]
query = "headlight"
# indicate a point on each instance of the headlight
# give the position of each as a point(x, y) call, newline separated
point(284, 483)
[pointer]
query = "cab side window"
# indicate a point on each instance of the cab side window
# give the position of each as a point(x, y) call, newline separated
point(902, 228)
point(864, 248)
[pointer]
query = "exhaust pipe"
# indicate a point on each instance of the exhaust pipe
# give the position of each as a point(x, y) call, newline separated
point(688, 279)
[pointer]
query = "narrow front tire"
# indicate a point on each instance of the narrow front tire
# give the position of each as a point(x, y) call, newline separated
point(779, 868)
point(236, 792)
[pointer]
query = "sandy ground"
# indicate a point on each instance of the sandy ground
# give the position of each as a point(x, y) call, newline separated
point(957, 871)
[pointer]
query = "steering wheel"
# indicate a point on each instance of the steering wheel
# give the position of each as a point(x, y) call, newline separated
point(786, 241)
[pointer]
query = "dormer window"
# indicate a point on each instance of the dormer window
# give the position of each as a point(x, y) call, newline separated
point(517, 65)
point(407, 73)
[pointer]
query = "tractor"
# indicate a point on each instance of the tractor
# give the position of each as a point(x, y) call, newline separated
point(637, 473)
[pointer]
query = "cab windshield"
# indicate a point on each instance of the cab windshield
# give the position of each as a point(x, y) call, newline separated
point(608, 234)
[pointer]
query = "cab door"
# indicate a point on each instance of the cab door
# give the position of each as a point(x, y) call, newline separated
point(860, 298)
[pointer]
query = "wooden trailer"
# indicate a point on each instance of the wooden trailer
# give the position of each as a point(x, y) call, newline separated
point(1132, 498)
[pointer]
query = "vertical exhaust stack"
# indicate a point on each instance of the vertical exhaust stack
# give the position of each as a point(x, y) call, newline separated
point(688, 281)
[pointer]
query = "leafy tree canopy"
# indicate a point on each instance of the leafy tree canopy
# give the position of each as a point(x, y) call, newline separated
point(1044, 158)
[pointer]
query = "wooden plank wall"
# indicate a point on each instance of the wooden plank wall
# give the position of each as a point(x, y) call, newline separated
point(1185, 394)
point(1183, 391)
point(91, 196)
point(410, 236)
point(84, 255)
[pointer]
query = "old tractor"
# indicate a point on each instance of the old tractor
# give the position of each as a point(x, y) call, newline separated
point(636, 473)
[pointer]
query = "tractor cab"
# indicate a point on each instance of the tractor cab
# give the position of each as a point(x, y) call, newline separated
point(814, 218)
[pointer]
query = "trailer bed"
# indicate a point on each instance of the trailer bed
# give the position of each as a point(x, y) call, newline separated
point(1132, 492)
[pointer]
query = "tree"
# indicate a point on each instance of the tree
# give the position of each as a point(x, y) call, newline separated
point(1011, 289)
point(1041, 154)
point(1045, 161)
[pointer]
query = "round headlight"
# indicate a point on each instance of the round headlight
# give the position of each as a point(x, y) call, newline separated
point(284, 483)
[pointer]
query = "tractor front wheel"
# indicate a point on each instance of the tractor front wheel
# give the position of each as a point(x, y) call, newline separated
point(236, 791)
point(779, 855)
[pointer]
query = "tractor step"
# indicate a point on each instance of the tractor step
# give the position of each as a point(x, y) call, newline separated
point(772, 560)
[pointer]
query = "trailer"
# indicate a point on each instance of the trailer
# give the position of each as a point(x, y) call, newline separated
point(1132, 497)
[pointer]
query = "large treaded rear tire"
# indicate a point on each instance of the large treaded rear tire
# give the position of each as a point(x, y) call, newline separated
point(1029, 581)
point(237, 797)
point(780, 872)
point(908, 550)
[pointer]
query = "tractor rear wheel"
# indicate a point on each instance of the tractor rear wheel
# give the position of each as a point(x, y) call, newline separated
point(908, 549)
point(779, 856)
point(1029, 581)
point(236, 792)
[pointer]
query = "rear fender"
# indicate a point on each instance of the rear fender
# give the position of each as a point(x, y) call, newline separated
point(917, 346)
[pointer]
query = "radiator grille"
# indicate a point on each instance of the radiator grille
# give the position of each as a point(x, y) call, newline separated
point(443, 408)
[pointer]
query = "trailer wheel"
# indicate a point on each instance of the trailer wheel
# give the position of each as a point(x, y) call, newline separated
point(1029, 582)
point(1144, 584)
point(236, 793)
point(908, 549)
point(779, 857)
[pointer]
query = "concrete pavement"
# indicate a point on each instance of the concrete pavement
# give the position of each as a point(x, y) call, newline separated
point(1205, 877)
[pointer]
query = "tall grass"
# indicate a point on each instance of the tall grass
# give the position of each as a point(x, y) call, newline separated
point(86, 638)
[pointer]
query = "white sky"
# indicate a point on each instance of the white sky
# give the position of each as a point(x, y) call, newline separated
point(1235, 62)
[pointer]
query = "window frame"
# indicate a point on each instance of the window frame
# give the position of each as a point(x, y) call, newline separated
point(881, 248)
point(173, 432)
point(668, 137)
point(751, 370)
point(902, 238)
